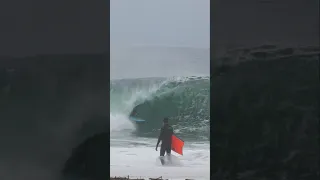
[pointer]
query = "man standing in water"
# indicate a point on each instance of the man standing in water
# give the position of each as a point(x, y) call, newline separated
point(165, 136)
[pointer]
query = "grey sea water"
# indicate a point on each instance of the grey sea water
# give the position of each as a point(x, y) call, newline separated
point(160, 82)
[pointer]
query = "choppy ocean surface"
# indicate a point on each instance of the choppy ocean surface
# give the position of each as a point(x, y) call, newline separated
point(185, 101)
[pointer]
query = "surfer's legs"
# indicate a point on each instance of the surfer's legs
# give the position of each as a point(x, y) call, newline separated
point(168, 151)
point(162, 152)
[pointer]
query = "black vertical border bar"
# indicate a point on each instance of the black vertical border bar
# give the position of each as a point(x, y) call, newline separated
point(213, 72)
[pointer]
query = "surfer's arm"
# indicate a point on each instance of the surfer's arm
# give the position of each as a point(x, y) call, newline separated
point(160, 137)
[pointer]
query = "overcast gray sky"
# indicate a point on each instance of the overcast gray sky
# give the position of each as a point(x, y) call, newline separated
point(142, 30)
point(160, 22)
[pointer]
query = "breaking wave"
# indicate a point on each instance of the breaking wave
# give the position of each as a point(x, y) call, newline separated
point(185, 100)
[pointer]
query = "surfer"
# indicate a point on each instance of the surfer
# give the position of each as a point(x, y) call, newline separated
point(133, 113)
point(165, 138)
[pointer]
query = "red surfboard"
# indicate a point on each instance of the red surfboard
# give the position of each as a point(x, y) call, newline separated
point(177, 144)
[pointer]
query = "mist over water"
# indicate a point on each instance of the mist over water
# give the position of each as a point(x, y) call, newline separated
point(158, 61)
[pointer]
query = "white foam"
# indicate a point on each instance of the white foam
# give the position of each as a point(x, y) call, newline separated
point(137, 157)
point(119, 122)
point(143, 162)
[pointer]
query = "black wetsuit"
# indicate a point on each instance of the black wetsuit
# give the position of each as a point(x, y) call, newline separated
point(165, 138)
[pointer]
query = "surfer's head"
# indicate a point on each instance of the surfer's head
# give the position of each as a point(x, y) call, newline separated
point(165, 121)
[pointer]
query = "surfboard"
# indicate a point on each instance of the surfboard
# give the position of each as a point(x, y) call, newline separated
point(136, 119)
point(177, 144)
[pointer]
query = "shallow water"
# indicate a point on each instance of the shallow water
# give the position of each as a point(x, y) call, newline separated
point(185, 101)
point(143, 161)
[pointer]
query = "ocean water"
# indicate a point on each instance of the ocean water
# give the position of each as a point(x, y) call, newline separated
point(185, 100)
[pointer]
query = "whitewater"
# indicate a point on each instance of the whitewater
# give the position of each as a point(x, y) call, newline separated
point(185, 100)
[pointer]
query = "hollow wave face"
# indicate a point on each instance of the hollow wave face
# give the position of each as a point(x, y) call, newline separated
point(184, 100)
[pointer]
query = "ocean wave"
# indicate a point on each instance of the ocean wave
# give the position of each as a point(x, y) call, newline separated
point(185, 100)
